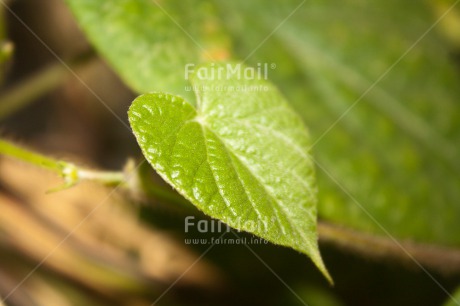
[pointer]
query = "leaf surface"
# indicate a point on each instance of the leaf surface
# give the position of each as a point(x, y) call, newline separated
point(149, 42)
point(242, 156)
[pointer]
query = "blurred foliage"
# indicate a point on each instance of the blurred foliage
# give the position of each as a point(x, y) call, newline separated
point(394, 147)
point(144, 43)
point(395, 151)
point(451, 302)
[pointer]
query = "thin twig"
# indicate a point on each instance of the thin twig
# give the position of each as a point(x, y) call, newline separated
point(438, 258)
point(71, 173)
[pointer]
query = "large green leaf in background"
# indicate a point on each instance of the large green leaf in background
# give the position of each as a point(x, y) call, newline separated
point(395, 151)
point(143, 41)
point(241, 156)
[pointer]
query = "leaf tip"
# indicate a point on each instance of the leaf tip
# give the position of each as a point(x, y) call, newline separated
point(319, 263)
point(313, 252)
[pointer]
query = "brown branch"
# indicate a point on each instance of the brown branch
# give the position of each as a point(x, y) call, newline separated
point(445, 260)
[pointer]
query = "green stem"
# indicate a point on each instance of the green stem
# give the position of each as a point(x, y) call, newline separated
point(10, 149)
point(110, 178)
point(71, 173)
point(133, 178)
point(442, 259)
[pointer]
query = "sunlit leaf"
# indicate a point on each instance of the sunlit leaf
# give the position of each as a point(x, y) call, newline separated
point(241, 156)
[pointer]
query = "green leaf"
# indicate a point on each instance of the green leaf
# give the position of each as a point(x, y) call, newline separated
point(149, 42)
point(454, 300)
point(242, 156)
point(397, 150)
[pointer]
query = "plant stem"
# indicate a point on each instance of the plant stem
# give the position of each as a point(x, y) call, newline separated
point(33, 87)
point(443, 259)
point(135, 179)
point(10, 149)
point(70, 172)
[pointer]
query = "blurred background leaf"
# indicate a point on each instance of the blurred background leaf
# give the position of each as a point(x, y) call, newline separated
point(144, 42)
point(395, 150)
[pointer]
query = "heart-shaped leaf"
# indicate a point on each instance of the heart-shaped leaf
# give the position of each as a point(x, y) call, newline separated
point(242, 156)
